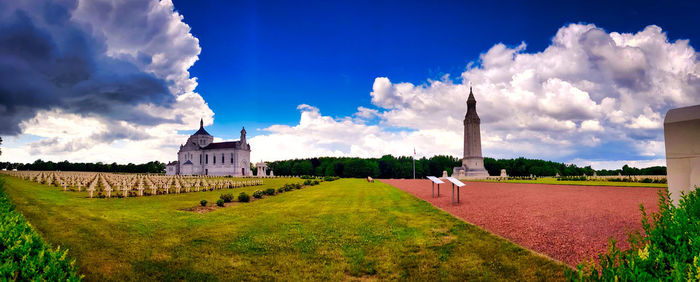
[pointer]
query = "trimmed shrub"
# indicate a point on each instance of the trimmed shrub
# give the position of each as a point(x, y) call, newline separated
point(297, 185)
point(270, 191)
point(288, 187)
point(315, 182)
point(228, 197)
point(280, 190)
point(330, 178)
point(568, 178)
point(667, 250)
point(203, 203)
point(307, 182)
point(243, 197)
point(24, 255)
point(258, 194)
point(220, 202)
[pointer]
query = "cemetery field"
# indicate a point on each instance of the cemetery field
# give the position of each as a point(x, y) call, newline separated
point(552, 180)
point(341, 230)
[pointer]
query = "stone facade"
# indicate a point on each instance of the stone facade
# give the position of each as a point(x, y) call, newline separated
point(473, 162)
point(201, 156)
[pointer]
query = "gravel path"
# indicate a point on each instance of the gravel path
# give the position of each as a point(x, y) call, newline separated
point(568, 223)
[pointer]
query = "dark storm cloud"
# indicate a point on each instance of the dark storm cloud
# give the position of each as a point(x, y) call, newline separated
point(47, 62)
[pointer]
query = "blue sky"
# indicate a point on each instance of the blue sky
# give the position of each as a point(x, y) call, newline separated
point(269, 56)
point(580, 82)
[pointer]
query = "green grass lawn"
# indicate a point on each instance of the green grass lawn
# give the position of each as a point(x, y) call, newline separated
point(552, 180)
point(346, 229)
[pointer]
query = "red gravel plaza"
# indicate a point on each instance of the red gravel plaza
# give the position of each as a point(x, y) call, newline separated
point(568, 223)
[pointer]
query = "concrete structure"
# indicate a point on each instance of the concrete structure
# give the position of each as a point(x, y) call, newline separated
point(473, 162)
point(201, 156)
point(503, 173)
point(262, 169)
point(682, 136)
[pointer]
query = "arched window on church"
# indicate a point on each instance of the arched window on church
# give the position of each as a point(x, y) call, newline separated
point(206, 159)
point(222, 158)
point(231, 158)
point(213, 158)
point(200, 158)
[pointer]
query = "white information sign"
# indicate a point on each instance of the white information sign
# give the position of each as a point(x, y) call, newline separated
point(455, 181)
point(435, 180)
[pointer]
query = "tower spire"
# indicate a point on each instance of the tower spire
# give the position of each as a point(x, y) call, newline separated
point(471, 101)
point(201, 123)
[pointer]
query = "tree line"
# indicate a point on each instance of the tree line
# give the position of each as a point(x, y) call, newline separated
point(389, 166)
point(149, 167)
point(526, 167)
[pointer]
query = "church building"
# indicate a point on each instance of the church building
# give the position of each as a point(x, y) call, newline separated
point(201, 156)
point(473, 162)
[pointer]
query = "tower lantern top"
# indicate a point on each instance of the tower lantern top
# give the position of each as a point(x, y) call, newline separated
point(471, 115)
point(471, 100)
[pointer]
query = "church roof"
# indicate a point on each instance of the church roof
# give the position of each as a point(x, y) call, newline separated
point(201, 130)
point(172, 163)
point(223, 145)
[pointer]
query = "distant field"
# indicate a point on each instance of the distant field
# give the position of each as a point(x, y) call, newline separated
point(346, 229)
point(552, 180)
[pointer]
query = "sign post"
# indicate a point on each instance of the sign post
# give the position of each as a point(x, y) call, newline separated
point(437, 181)
point(458, 184)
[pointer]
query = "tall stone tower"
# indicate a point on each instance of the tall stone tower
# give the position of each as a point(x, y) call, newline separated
point(473, 162)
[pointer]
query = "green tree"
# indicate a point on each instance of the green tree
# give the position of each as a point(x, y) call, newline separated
point(302, 167)
point(330, 170)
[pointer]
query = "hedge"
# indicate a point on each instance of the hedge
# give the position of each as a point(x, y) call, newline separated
point(668, 249)
point(24, 255)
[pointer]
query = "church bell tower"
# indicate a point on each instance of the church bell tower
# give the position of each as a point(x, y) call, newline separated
point(243, 132)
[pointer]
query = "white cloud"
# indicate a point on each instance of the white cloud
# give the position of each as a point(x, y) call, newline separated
point(317, 135)
point(585, 94)
point(587, 90)
point(591, 125)
point(366, 113)
point(158, 42)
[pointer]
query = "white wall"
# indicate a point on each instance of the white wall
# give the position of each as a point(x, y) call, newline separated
point(682, 138)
